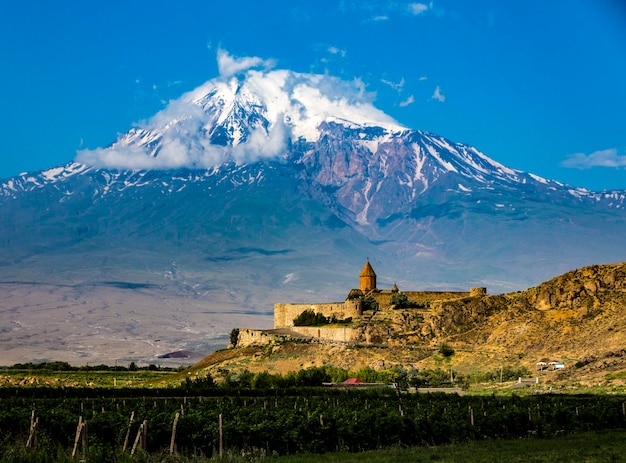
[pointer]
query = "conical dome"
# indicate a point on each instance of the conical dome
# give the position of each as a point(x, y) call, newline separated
point(367, 277)
point(367, 271)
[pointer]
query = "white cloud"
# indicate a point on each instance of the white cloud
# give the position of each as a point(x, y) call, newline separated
point(420, 8)
point(179, 122)
point(184, 143)
point(396, 86)
point(399, 88)
point(423, 78)
point(602, 158)
point(437, 95)
point(337, 51)
point(386, 11)
point(229, 66)
point(124, 158)
point(262, 144)
point(410, 100)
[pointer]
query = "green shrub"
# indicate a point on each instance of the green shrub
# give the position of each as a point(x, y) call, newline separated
point(399, 300)
point(506, 373)
point(310, 318)
point(446, 350)
point(234, 337)
point(369, 303)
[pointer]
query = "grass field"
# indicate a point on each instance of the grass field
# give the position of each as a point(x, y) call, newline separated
point(80, 378)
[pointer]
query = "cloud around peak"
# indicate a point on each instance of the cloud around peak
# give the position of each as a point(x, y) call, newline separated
point(183, 142)
point(279, 104)
point(228, 65)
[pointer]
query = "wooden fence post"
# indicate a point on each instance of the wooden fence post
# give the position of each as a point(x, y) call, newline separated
point(221, 437)
point(34, 423)
point(144, 440)
point(173, 440)
point(142, 437)
point(81, 431)
point(85, 442)
point(137, 437)
point(77, 436)
point(130, 422)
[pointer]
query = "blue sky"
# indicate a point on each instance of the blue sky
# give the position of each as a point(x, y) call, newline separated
point(538, 85)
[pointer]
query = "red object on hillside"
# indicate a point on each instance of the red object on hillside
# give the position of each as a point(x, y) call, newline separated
point(353, 381)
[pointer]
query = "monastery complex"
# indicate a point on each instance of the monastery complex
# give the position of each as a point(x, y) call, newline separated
point(360, 306)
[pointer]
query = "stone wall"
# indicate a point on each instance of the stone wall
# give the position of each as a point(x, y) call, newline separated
point(337, 334)
point(421, 297)
point(285, 313)
point(478, 291)
point(249, 337)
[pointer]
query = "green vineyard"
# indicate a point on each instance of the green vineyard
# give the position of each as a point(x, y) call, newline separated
point(279, 422)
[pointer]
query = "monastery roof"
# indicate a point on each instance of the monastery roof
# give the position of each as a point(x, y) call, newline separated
point(367, 271)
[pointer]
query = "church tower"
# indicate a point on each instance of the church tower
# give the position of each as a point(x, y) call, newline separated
point(367, 278)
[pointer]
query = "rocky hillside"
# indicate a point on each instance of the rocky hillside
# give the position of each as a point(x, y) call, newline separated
point(578, 318)
point(579, 314)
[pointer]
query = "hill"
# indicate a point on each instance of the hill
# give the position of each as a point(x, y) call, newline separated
point(578, 318)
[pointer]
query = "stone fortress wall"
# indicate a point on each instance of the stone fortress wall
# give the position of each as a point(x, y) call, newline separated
point(285, 313)
point(419, 297)
point(251, 337)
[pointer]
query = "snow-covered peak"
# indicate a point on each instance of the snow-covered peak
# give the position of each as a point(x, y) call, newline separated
point(300, 101)
point(242, 118)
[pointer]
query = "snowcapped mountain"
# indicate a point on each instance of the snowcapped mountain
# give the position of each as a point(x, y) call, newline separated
point(272, 186)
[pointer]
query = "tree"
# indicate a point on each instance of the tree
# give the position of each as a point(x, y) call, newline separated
point(367, 375)
point(310, 318)
point(244, 379)
point(446, 350)
point(399, 300)
point(234, 337)
point(400, 376)
point(200, 384)
point(263, 380)
point(369, 303)
point(312, 376)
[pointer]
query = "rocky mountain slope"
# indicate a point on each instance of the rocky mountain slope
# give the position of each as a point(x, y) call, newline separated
point(272, 186)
